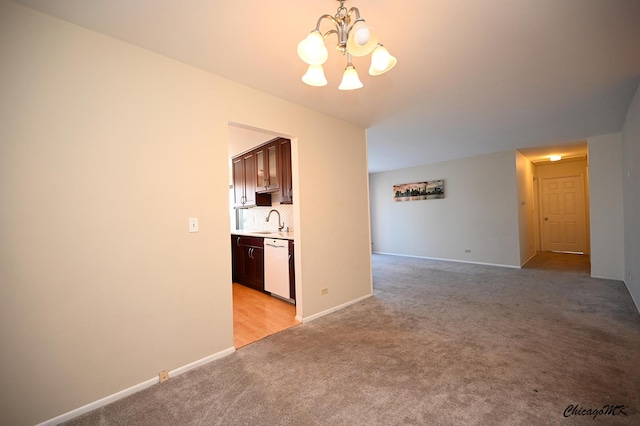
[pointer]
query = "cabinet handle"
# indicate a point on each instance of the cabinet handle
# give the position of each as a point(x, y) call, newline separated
point(251, 253)
point(238, 241)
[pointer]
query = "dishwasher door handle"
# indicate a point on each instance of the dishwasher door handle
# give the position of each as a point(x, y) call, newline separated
point(274, 246)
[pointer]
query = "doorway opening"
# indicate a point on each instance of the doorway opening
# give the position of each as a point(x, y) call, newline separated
point(563, 212)
point(562, 197)
point(263, 155)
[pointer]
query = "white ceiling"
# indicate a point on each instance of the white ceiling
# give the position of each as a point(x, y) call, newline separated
point(473, 76)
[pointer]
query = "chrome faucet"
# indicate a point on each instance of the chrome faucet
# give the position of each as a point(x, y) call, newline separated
point(280, 226)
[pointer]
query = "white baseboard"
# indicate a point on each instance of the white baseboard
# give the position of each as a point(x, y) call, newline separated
point(601, 277)
point(202, 361)
point(133, 389)
point(334, 309)
point(450, 260)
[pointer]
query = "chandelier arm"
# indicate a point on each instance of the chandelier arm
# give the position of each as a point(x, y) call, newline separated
point(335, 30)
point(329, 17)
point(325, 35)
point(352, 11)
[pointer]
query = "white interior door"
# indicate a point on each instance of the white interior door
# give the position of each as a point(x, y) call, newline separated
point(563, 215)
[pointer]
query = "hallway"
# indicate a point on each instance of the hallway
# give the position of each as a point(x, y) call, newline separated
point(566, 262)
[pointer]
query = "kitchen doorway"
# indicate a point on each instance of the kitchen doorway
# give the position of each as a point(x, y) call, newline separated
point(256, 313)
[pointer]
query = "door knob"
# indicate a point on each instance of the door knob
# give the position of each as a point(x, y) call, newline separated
point(546, 218)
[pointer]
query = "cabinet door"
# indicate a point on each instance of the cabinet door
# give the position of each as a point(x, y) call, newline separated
point(249, 176)
point(237, 258)
point(286, 179)
point(258, 268)
point(273, 182)
point(261, 170)
point(238, 182)
point(248, 266)
point(244, 180)
point(248, 261)
point(253, 267)
point(267, 168)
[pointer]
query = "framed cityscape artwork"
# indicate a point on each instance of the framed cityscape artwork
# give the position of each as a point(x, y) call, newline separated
point(428, 190)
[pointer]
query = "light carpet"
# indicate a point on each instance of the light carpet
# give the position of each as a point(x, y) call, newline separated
point(439, 343)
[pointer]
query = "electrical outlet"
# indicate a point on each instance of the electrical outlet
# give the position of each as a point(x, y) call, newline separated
point(164, 376)
point(467, 250)
point(324, 291)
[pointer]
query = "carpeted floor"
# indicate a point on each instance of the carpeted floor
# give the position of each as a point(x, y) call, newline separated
point(439, 343)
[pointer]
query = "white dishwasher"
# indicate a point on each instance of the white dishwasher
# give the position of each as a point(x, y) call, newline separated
point(276, 267)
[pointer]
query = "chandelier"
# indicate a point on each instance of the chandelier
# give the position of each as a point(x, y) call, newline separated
point(355, 38)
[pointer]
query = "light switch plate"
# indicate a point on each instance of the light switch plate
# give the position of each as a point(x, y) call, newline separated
point(193, 224)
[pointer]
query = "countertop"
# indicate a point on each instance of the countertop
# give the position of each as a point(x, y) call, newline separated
point(264, 234)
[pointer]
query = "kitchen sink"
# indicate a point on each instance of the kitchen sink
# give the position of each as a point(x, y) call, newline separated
point(273, 234)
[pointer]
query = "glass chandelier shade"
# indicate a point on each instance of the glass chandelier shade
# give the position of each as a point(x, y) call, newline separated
point(315, 76)
point(312, 49)
point(362, 40)
point(350, 79)
point(381, 61)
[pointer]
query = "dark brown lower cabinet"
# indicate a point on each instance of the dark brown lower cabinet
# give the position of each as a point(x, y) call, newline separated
point(248, 261)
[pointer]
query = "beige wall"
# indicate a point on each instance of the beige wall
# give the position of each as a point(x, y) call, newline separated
point(526, 207)
point(607, 225)
point(105, 151)
point(479, 212)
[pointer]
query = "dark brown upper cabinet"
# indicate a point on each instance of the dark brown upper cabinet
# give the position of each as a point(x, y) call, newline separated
point(267, 167)
point(262, 171)
point(244, 183)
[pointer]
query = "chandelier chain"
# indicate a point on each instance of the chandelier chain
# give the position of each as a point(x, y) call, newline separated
point(342, 11)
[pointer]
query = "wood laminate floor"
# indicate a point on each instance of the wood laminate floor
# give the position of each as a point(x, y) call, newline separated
point(257, 315)
point(555, 261)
